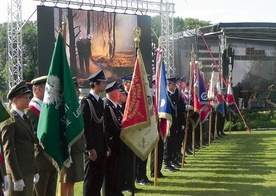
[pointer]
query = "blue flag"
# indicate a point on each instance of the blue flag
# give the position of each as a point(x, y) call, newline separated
point(162, 98)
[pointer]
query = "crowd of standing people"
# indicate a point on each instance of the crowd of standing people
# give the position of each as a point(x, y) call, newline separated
point(100, 158)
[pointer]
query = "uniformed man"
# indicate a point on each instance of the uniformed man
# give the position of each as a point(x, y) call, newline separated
point(169, 146)
point(47, 172)
point(160, 146)
point(128, 154)
point(123, 98)
point(18, 144)
point(113, 119)
point(4, 183)
point(181, 118)
point(92, 108)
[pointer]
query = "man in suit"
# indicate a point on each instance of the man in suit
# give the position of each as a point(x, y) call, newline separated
point(18, 144)
point(113, 119)
point(92, 108)
point(46, 170)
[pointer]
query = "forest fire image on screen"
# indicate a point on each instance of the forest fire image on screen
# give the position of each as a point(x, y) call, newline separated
point(94, 39)
point(101, 40)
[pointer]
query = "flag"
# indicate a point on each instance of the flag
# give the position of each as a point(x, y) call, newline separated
point(220, 108)
point(162, 98)
point(212, 92)
point(6, 117)
point(196, 88)
point(60, 123)
point(205, 107)
point(4, 113)
point(139, 126)
point(230, 102)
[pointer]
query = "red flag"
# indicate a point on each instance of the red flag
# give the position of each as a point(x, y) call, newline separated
point(230, 101)
point(139, 126)
point(196, 89)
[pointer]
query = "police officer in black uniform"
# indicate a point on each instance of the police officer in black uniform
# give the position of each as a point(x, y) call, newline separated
point(169, 146)
point(113, 118)
point(92, 108)
point(160, 147)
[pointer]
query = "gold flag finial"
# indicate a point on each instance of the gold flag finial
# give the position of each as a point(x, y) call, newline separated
point(137, 34)
point(159, 42)
point(63, 31)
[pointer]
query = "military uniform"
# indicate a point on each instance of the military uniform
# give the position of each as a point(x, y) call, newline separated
point(18, 147)
point(128, 160)
point(92, 108)
point(113, 118)
point(3, 173)
point(169, 146)
point(160, 143)
point(47, 184)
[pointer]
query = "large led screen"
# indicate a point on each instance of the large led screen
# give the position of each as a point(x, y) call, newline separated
point(94, 40)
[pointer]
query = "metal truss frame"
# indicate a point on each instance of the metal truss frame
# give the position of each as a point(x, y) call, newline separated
point(143, 7)
point(14, 43)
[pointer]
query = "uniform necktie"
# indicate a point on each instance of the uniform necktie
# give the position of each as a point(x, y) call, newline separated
point(26, 119)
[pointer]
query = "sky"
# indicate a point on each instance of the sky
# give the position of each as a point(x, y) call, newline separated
point(214, 11)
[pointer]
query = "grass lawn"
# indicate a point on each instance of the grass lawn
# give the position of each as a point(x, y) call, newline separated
point(239, 164)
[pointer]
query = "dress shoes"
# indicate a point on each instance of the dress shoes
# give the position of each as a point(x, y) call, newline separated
point(130, 190)
point(170, 168)
point(145, 182)
point(189, 152)
point(175, 164)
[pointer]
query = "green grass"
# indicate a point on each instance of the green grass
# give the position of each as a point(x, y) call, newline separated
point(239, 164)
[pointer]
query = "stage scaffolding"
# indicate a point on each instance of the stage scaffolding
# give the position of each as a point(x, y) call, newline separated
point(141, 7)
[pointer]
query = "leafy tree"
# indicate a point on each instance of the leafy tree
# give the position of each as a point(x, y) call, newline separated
point(179, 24)
point(192, 23)
point(30, 62)
point(29, 48)
point(3, 60)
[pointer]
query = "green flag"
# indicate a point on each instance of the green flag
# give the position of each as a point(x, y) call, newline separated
point(60, 122)
point(4, 115)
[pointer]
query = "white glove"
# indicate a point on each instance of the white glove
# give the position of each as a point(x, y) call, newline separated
point(19, 185)
point(36, 178)
point(6, 183)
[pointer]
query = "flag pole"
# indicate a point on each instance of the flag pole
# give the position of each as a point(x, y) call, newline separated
point(156, 148)
point(61, 190)
point(201, 136)
point(216, 125)
point(137, 34)
point(188, 111)
point(193, 138)
point(210, 126)
point(155, 164)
